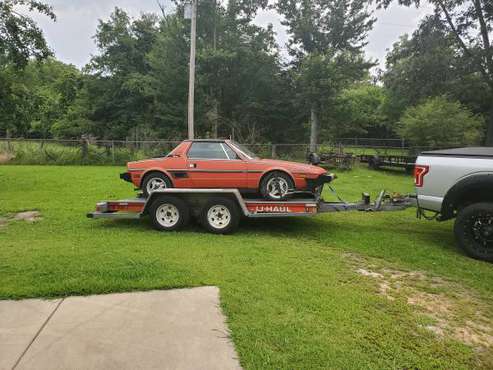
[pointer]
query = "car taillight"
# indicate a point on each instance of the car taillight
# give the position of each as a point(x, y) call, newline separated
point(419, 174)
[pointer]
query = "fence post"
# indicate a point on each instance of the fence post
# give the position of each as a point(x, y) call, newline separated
point(113, 151)
point(9, 147)
point(274, 151)
point(84, 148)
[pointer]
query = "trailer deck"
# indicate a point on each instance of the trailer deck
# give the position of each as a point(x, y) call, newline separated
point(167, 207)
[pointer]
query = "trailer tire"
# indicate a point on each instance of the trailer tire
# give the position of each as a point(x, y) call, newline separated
point(374, 162)
point(169, 213)
point(474, 231)
point(220, 216)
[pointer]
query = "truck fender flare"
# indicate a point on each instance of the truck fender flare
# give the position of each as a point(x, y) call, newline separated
point(466, 187)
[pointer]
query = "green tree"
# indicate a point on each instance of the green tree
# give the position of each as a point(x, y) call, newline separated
point(241, 78)
point(168, 78)
point(120, 101)
point(20, 37)
point(137, 83)
point(430, 64)
point(360, 111)
point(16, 106)
point(440, 122)
point(37, 96)
point(326, 42)
point(20, 40)
point(470, 22)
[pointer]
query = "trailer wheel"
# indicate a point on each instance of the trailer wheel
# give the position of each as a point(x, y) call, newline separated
point(220, 216)
point(474, 230)
point(374, 162)
point(169, 213)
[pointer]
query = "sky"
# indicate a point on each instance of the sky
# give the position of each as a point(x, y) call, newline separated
point(71, 36)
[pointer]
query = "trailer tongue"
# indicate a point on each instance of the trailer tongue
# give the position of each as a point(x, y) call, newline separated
point(220, 210)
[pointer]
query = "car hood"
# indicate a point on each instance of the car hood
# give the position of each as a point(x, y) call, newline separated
point(291, 166)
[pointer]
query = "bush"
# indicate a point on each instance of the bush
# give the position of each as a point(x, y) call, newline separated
point(439, 123)
point(70, 153)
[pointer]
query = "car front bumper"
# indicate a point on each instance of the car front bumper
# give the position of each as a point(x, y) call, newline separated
point(126, 177)
point(314, 184)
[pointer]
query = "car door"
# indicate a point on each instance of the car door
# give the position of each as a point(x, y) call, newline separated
point(215, 165)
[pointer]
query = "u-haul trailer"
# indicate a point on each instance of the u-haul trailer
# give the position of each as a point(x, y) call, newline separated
point(220, 210)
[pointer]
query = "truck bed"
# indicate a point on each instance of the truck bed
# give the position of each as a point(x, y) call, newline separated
point(475, 152)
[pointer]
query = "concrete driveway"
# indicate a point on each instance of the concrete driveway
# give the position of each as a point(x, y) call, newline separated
point(174, 329)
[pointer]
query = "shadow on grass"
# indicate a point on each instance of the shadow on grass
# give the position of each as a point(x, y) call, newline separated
point(350, 236)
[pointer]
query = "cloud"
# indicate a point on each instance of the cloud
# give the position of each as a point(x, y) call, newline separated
point(71, 37)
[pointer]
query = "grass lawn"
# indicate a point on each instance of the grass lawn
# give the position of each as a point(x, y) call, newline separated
point(348, 290)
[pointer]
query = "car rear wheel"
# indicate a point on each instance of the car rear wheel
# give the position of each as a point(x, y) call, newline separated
point(169, 213)
point(474, 230)
point(220, 216)
point(155, 181)
point(276, 186)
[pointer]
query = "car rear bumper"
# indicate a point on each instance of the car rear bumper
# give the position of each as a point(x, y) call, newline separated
point(126, 177)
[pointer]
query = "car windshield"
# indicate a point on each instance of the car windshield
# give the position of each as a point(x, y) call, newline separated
point(247, 152)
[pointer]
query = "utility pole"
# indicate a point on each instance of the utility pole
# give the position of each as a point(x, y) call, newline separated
point(191, 85)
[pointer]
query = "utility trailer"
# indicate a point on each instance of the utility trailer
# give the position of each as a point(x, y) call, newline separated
point(220, 210)
point(375, 162)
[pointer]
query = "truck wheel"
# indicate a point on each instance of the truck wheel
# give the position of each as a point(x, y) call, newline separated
point(220, 216)
point(276, 186)
point(155, 181)
point(474, 231)
point(169, 213)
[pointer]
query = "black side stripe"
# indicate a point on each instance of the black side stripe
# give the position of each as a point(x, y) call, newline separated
point(212, 171)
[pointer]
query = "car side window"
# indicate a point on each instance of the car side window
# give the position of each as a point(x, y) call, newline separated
point(207, 151)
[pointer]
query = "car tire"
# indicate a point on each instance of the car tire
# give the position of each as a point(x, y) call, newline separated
point(278, 179)
point(169, 213)
point(220, 216)
point(474, 231)
point(152, 180)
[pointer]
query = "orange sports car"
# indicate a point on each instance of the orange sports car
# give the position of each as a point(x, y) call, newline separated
point(224, 164)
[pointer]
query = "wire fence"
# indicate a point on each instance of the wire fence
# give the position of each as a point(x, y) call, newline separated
point(119, 152)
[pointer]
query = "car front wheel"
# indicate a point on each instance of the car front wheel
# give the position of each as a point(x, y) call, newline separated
point(474, 230)
point(276, 186)
point(155, 181)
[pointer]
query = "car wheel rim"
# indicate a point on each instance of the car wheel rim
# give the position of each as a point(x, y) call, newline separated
point(219, 217)
point(167, 215)
point(277, 187)
point(481, 231)
point(156, 184)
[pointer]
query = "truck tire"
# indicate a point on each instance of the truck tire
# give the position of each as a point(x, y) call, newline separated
point(169, 213)
point(474, 230)
point(220, 216)
point(155, 181)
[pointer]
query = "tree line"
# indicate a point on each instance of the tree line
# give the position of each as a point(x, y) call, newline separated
point(436, 89)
